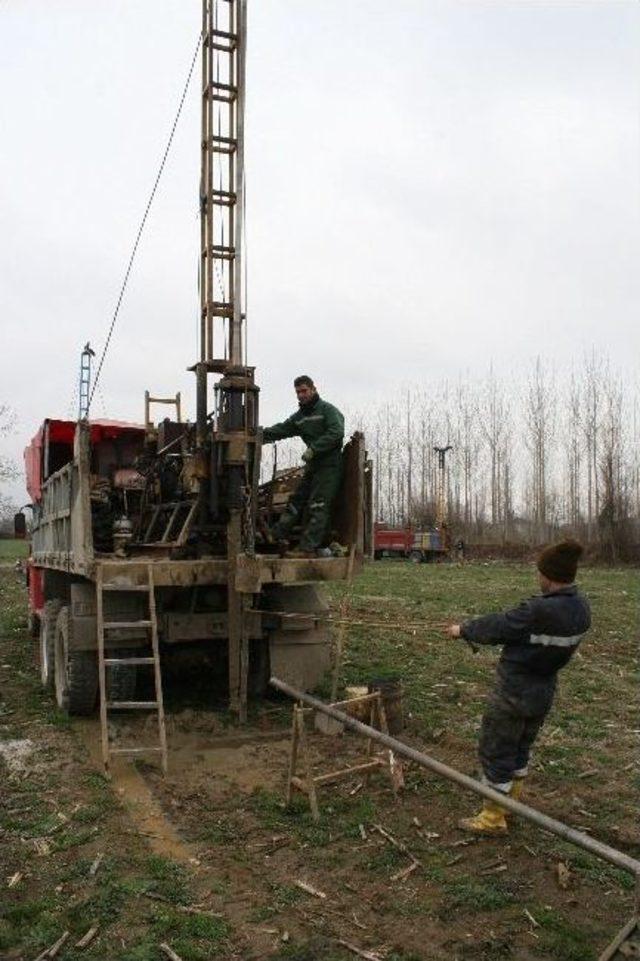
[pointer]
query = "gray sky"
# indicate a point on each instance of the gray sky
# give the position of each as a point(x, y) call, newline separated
point(432, 185)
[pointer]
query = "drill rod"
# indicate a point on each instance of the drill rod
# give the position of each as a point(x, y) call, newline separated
point(579, 838)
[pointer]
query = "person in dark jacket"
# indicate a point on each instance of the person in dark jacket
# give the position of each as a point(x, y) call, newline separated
point(539, 638)
point(321, 427)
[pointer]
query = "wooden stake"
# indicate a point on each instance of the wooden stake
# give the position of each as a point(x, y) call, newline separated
point(342, 629)
point(306, 761)
point(293, 758)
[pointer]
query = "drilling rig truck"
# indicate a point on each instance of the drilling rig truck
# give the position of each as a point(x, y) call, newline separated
point(156, 534)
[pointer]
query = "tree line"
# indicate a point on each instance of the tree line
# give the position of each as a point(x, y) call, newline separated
point(533, 456)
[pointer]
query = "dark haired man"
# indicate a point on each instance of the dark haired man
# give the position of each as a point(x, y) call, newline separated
point(539, 637)
point(321, 427)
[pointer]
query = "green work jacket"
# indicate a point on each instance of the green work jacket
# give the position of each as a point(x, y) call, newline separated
point(319, 424)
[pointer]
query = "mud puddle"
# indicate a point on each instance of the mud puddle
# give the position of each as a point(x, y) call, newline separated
point(245, 760)
point(130, 786)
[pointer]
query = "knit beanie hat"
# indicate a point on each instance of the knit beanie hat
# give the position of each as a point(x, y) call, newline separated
point(559, 562)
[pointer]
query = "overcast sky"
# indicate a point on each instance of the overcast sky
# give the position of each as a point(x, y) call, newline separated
point(432, 185)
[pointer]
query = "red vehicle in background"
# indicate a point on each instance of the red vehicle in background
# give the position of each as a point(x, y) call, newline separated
point(405, 542)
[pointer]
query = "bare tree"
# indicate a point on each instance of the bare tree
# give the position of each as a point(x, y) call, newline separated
point(8, 468)
point(539, 419)
point(594, 377)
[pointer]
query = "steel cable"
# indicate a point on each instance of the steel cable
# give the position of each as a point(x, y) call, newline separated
point(144, 219)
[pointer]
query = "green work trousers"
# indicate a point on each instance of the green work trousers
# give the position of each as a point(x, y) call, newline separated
point(311, 503)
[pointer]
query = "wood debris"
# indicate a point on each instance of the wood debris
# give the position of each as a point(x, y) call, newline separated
point(53, 950)
point(404, 874)
point(93, 870)
point(15, 879)
point(357, 788)
point(563, 875)
point(363, 833)
point(394, 841)
point(495, 870)
point(368, 955)
point(169, 953)
point(531, 918)
point(87, 938)
point(309, 888)
point(41, 846)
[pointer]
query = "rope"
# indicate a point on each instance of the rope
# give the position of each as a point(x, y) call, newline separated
point(144, 219)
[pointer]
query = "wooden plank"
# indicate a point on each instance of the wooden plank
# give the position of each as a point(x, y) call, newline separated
point(121, 625)
point(321, 779)
point(155, 646)
point(109, 661)
point(131, 705)
point(349, 771)
point(102, 679)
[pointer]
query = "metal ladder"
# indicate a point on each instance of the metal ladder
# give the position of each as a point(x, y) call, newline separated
point(104, 663)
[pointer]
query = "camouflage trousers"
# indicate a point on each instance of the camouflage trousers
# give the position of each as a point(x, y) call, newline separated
point(506, 739)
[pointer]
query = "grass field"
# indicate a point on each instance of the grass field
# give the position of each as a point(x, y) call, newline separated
point(11, 550)
point(237, 898)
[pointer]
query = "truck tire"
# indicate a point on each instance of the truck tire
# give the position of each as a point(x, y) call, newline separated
point(46, 645)
point(76, 672)
point(415, 557)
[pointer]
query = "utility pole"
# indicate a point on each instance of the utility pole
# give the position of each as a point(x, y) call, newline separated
point(85, 381)
point(442, 498)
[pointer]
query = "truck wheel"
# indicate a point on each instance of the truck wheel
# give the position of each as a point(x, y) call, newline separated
point(76, 672)
point(47, 643)
point(121, 678)
point(415, 557)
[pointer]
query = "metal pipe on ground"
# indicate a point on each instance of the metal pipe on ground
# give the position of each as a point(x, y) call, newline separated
point(581, 840)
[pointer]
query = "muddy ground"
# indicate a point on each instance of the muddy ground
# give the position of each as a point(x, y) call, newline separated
point(209, 861)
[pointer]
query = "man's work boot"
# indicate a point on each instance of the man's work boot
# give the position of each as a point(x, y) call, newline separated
point(490, 820)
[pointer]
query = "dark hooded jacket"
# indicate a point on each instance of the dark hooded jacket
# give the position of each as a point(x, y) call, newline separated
point(539, 637)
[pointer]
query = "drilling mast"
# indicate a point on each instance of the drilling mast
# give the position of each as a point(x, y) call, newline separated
point(227, 444)
point(85, 381)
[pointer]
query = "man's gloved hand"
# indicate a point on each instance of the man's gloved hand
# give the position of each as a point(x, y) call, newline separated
point(308, 454)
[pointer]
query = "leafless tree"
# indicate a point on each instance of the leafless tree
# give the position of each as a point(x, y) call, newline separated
point(539, 419)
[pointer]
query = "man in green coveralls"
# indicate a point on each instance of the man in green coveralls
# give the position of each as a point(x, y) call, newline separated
point(321, 427)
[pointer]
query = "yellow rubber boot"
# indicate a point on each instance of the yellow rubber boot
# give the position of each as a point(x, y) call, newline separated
point(490, 820)
point(515, 790)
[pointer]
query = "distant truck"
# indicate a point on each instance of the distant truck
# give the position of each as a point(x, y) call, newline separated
point(416, 546)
